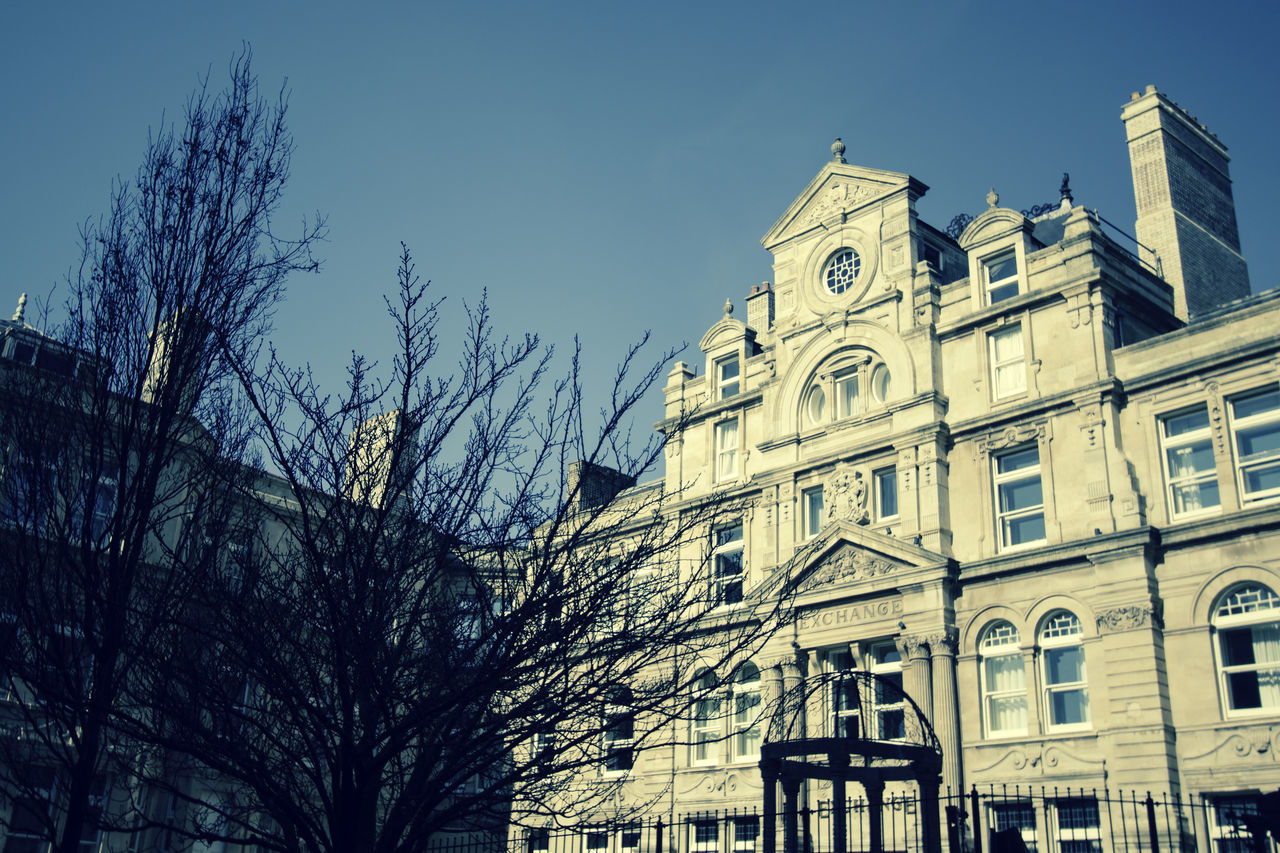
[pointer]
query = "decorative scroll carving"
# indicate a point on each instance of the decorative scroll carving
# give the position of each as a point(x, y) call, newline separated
point(723, 784)
point(1128, 618)
point(1039, 760)
point(1260, 744)
point(848, 491)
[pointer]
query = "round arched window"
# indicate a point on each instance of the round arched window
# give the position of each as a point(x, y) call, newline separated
point(1004, 680)
point(1066, 689)
point(842, 269)
point(1247, 621)
point(816, 405)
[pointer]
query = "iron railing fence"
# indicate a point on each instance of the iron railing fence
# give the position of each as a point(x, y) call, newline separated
point(993, 819)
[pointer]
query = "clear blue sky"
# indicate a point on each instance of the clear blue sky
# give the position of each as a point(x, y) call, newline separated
point(607, 168)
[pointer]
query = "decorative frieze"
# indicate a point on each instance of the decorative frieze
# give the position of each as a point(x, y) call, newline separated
point(1128, 618)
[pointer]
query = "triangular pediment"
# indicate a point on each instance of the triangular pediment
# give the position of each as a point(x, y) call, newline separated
point(848, 554)
point(836, 191)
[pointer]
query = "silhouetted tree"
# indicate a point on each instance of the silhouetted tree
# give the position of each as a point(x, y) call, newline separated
point(462, 610)
point(121, 428)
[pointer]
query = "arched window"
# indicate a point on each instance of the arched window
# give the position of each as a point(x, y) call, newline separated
point(1004, 680)
point(1247, 622)
point(846, 387)
point(1066, 691)
point(704, 727)
point(746, 712)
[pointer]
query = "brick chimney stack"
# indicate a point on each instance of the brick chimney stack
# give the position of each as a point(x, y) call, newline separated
point(1186, 214)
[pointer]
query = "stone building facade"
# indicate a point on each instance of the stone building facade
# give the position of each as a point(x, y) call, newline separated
point(1027, 473)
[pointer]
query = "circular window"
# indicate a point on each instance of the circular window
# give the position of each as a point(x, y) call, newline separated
point(880, 382)
point(817, 404)
point(841, 270)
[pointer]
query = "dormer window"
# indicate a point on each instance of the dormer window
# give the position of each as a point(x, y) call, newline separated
point(1000, 276)
point(841, 271)
point(727, 373)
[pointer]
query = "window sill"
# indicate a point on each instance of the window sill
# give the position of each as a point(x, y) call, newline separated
point(1022, 546)
point(1251, 713)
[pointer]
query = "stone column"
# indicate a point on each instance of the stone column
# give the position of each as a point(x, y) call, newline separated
point(946, 712)
point(771, 695)
point(916, 678)
point(793, 700)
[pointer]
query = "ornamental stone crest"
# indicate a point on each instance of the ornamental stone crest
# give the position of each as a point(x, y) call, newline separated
point(848, 491)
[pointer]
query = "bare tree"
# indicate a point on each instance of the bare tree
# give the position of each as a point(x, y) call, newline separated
point(462, 611)
point(118, 428)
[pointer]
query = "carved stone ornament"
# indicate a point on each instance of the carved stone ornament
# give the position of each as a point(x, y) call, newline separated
point(1127, 618)
point(1255, 743)
point(1012, 436)
point(849, 564)
point(913, 647)
point(838, 198)
point(848, 491)
point(943, 642)
point(721, 784)
point(1042, 759)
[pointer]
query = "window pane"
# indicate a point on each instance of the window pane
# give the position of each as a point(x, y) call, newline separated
point(1020, 494)
point(1256, 404)
point(1005, 673)
point(847, 396)
point(725, 535)
point(1190, 459)
point(1237, 647)
point(1017, 460)
point(1010, 379)
point(1262, 479)
point(887, 492)
point(1243, 690)
point(813, 511)
point(1176, 425)
point(1007, 344)
point(1064, 665)
point(1007, 713)
point(1029, 528)
point(1258, 441)
point(1069, 707)
point(1001, 266)
point(1195, 496)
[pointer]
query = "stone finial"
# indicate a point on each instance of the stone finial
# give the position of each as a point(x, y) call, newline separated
point(19, 314)
point(993, 197)
point(1064, 191)
point(728, 308)
point(837, 151)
